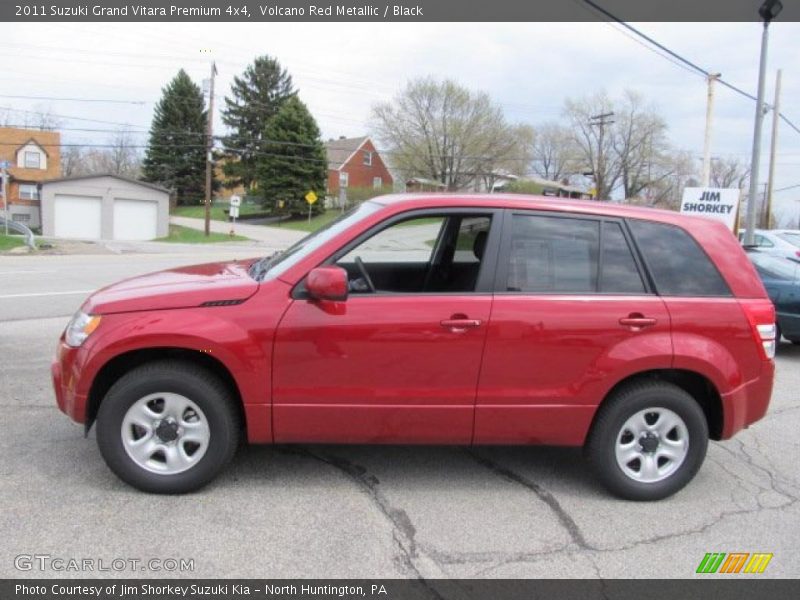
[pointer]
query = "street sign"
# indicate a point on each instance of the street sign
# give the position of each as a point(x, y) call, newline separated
point(311, 197)
point(234, 211)
point(236, 201)
point(718, 204)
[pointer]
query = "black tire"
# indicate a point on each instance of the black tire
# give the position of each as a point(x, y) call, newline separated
point(204, 389)
point(608, 425)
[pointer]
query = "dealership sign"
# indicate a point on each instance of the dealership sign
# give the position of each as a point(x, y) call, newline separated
point(719, 204)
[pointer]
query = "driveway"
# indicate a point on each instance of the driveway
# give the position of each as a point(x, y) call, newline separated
point(273, 238)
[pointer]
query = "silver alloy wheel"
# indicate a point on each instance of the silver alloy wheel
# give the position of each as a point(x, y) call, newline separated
point(165, 433)
point(652, 445)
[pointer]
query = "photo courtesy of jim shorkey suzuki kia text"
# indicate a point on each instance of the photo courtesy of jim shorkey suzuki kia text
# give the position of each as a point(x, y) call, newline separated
point(405, 300)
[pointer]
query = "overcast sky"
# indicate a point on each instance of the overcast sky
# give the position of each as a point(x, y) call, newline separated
point(341, 70)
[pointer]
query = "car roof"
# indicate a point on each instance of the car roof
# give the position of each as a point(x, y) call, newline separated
point(543, 203)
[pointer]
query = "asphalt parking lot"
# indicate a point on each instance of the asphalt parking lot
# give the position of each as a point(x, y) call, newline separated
point(361, 511)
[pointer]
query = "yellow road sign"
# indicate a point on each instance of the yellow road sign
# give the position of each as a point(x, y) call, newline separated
point(311, 197)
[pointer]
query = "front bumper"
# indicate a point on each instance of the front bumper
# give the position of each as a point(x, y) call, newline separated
point(64, 371)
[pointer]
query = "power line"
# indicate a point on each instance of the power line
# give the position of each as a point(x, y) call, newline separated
point(685, 61)
point(103, 100)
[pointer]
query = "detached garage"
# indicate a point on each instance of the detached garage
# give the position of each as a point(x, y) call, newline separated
point(107, 207)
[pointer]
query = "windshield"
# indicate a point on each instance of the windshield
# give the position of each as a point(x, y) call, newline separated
point(792, 238)
point(278, 263)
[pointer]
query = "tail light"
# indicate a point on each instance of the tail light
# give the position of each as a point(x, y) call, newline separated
point(761, 315)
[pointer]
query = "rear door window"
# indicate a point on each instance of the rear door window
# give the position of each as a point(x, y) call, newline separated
point(553, 255)
point(676, 261)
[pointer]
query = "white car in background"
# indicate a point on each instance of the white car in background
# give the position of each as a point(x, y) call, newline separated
point(778, 242)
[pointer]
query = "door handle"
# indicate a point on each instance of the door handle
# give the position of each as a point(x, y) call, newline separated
point(637, 321)
point(460, 325)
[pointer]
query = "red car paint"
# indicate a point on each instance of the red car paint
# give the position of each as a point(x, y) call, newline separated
point(479, 367)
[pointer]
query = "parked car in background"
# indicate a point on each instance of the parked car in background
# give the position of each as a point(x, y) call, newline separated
point(781, 277)
point(482, 319)
point(779, 242)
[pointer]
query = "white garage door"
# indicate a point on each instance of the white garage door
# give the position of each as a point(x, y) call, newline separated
point(135, 219)
point(77, 217)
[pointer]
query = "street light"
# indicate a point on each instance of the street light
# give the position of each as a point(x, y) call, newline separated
point(768, 11)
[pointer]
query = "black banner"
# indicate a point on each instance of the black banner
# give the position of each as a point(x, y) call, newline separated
point(391, 10)
point(733, 588)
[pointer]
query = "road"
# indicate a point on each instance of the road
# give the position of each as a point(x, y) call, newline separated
point(326, 511)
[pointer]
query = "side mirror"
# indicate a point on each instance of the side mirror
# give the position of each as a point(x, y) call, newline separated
point(327, 283)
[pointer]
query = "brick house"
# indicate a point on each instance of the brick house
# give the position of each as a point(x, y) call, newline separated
point(355, 163)
point(34, 156)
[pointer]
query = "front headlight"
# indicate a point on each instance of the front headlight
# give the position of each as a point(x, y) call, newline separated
point(80, 327)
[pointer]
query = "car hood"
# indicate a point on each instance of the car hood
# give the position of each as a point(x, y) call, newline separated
point(197, 285)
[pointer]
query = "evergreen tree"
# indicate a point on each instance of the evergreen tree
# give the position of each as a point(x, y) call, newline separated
point(256, 97)
point(176, 152)
point(293, 160)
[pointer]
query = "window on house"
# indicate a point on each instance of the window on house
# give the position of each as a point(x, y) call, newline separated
point(377, 182)
point(32, 160)
point(368, 158)
point(343, 179)
point(28, 191)
point(21, 217)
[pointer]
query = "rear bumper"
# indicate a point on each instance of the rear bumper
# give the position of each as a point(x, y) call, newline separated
point(64, 372)
point(748, 403)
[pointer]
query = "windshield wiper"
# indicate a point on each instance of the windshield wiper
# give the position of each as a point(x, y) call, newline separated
point(259, 268)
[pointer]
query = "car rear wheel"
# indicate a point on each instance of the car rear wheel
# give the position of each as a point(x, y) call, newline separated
point(648, 441)
point(167, 427)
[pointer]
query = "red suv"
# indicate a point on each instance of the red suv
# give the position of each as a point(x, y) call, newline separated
point(637, 334)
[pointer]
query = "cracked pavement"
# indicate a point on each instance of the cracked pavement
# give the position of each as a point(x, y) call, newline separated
point(366, 511)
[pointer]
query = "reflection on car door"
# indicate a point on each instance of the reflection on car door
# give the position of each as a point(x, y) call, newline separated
point(387, 366)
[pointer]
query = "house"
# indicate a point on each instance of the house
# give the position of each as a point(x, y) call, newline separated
point(33, 156)
point(104, 207)
point(355, 163)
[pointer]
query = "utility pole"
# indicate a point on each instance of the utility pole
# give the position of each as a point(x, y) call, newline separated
point(4, 189)
point(768, 11)
point(712, 78)
point(210, 147)
point(776, 115)
point(600, 121)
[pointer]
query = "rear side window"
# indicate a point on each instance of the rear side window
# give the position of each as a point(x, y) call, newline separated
point(618, 272)
point(677, 263)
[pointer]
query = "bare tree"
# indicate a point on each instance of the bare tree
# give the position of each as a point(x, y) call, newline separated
point(555, 155)
point(119, 156)
point(443, 131)
point(594, 140)
point(72, 160)
point(729, 173)
point(671, 172)
point(640, 144)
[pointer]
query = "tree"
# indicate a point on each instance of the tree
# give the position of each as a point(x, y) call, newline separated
point(593, 140)
point(257, 96)
point(72, 160)
point(554, 155)
point(621, 148)
point(442, 131)
point(729, 173)
point(293, 160)
point(176, 152)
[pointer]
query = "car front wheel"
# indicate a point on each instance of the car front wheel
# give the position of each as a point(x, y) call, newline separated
point(648, 441)
point(167, 427)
